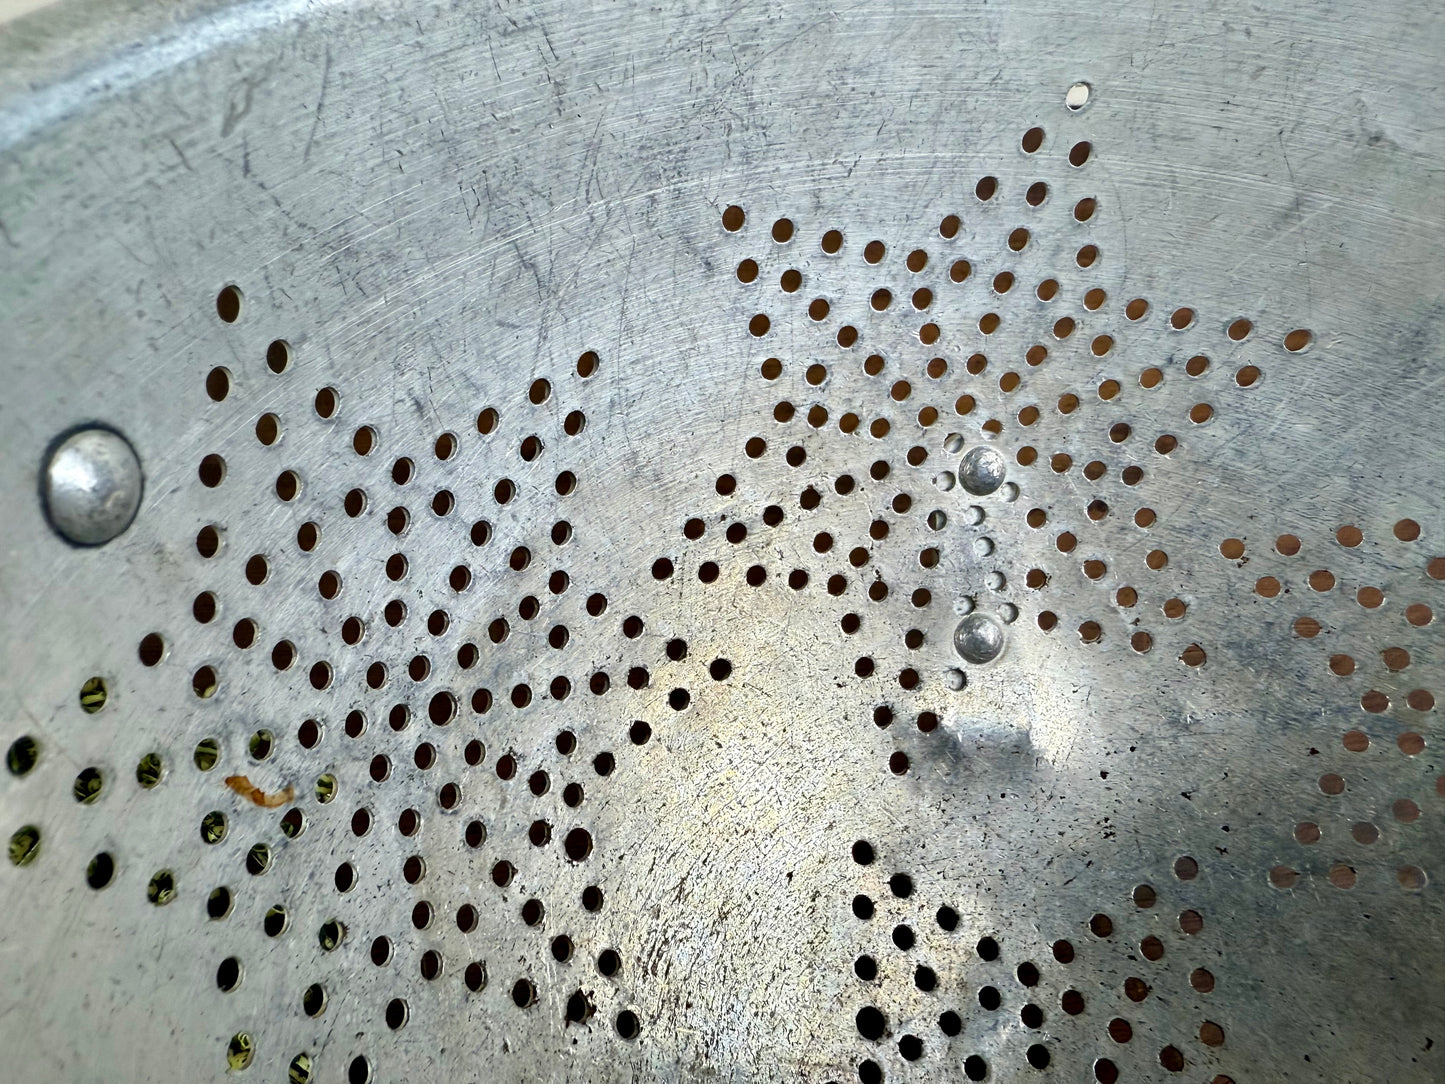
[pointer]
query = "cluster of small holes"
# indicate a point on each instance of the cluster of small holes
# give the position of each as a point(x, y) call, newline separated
point(1201, 388)
point(1140, 960)
point(417, 689)
point(444, 706)
point(910, 296)
point(1342, 601)
point(895, 932)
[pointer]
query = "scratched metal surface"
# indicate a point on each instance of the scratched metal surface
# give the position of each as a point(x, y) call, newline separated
point(698, 786)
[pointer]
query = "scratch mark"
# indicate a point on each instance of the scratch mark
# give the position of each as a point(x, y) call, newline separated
point(234, 116)
point(1299, 219)
point(492, 50)
point(320, 103)
point(180, 154)
point(548, 39)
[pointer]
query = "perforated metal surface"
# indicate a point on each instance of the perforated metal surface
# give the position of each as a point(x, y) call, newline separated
point(593, 456)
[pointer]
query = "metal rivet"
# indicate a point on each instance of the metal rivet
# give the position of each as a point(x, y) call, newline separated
point(978, 638)
point(981, 471)
point(92, 486)
point(1077, 96)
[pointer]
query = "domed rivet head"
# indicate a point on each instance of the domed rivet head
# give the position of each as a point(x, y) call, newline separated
point(981, 470)
point(978, 638)
point(92, 486)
